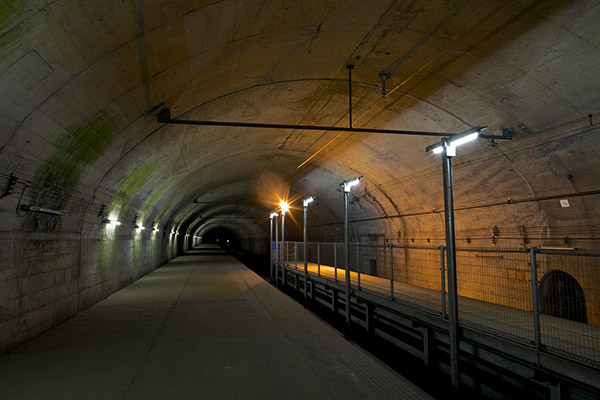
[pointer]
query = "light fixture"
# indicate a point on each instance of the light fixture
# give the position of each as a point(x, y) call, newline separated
point(32, 208)
point(285, 207)
point(109, 221)
point(467, 136)
point(139, 228)
point(307, 201)
point(348, 184)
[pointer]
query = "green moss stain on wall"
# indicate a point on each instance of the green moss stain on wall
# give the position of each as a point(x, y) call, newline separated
point(54, 183)
point(85, 144)
point(10, 37)
point(107, 254)
point(153, 240)
point(152, 201)
point(129, 187)
point(4, 13)
point(8, 15)
point(14, 23)
point(166, 208)
point(184, 213)
point(137, 251)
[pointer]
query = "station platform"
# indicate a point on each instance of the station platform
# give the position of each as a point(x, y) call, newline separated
point(203, 326)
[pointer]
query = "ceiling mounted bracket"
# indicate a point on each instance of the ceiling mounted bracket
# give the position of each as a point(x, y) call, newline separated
point(350, 68)
point(384, 77)
point(164, 117)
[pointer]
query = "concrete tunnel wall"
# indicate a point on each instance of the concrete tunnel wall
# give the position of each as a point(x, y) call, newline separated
point(82, 86)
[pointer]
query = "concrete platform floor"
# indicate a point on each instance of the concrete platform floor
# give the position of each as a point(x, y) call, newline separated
point(201, 327)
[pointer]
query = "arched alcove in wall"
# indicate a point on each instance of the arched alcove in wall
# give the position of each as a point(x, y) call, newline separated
point(562, 296)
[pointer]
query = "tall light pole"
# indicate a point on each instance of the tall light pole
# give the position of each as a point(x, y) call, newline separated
point(447, 147)
point(306, 202)
point(284, 208)
point(273, 215)
point(347, 185)
point(277, 250)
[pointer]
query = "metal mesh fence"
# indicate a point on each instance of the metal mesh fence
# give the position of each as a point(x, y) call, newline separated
point(569, 303)
point(496, 291)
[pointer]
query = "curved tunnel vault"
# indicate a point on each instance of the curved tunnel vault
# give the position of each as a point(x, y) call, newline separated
point(83, 84)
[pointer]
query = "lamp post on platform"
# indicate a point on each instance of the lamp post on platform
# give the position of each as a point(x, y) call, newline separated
point(273, 215)
point(306, 202)
point(284, 208)
point(347, 186)
point(447, 147)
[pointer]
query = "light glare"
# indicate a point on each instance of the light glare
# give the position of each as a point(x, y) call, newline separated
point(285, 207)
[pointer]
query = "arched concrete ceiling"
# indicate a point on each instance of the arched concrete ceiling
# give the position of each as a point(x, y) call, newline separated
point(82, 84)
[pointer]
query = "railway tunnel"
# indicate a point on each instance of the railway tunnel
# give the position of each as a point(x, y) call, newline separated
point(135, 131)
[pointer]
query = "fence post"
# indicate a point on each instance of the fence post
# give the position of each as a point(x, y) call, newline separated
point(358, 264)
point(534, 292)
point(296, 255)
point(443, 280)
point(391, 271)
point(319, 259)
point(335, 261)
point(286, 259)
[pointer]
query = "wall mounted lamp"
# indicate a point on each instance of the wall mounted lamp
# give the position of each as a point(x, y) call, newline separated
point(36, 209)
